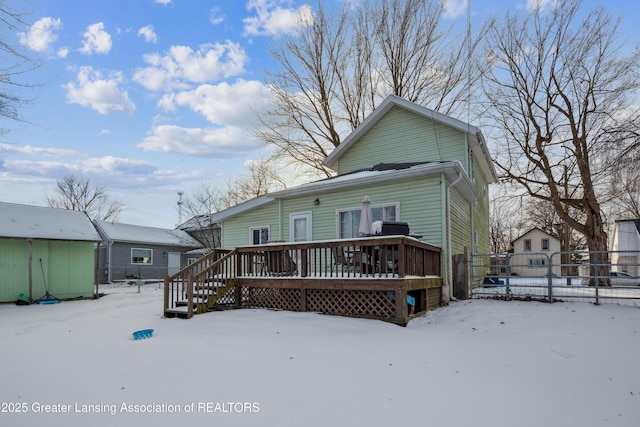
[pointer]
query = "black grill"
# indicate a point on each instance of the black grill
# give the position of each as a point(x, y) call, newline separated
point(394, 228)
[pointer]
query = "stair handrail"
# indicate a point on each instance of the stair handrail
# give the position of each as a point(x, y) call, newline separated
point(188, 276)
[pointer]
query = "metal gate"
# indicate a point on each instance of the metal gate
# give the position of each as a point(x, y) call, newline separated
point(597, 277)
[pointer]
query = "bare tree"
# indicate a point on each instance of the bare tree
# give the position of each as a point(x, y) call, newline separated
point(558, 88)
point(339, 66)
point(625, 187)
point(14, 66)
point(75, 193)
point(261, 177)
point(505, 220)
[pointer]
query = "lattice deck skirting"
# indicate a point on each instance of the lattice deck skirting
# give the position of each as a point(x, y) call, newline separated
point(383, 300)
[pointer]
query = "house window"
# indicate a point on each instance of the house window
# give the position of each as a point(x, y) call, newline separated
point(141, 256)
point(545, 244)
point(259, 235)
point(191, 261)
point(349, 219)
point(539, 262)
point(527, 245)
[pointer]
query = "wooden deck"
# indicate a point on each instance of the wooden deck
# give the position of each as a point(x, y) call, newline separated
point(370, 277)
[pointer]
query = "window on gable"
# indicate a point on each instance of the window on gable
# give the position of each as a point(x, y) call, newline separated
point(527, 245)
point(259, 235)
point(141, 256)
point(545, 244)
point(349, 219)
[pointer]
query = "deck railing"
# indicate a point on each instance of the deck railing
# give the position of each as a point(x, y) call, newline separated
point(388, 257)
point(367, 277)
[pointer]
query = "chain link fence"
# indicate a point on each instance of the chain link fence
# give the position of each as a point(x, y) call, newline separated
point(595, 277)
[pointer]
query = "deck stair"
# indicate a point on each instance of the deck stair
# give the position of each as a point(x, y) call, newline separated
point(200, 287)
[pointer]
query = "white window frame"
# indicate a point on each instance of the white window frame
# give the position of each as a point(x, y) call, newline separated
point(142, 263)
point(260, 228)
point(298, 215)
point(524, 245)
point(396, 205)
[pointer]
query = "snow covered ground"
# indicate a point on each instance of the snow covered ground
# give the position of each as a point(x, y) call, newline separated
point(480, 363)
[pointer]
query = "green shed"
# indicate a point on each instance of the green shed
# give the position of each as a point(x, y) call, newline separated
point(46, 249)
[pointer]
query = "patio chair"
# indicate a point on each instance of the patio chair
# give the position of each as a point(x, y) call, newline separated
point(342, 260)
point(280, 263)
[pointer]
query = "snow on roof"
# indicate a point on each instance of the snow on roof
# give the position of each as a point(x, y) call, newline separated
point(38, 222)
point(118, 232)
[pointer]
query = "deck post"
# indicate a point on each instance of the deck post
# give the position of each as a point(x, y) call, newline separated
point(237, 292)
point(401, 260)
point(189, 296)
point(303, 299)
point(166, 294)
point(401, 304)
point(304, 258)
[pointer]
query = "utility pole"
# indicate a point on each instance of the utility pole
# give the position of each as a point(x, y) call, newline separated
point(180, 202)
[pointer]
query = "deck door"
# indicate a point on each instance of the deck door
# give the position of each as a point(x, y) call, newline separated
point(300, 227)
point(300, 231)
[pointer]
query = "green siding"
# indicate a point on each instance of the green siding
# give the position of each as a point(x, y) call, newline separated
point(68, 268)
point(481, 212)
point(235, 230)
point(461, 234)
point(420, 140)
point(419, 201)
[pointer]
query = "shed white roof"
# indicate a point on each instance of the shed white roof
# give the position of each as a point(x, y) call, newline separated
point(38, 222)
point(130, 233)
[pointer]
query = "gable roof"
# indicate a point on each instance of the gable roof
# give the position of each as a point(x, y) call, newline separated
point(44, 223)
point(475, 137)
point(636, 223)
point(532, 230)
point(129, 233)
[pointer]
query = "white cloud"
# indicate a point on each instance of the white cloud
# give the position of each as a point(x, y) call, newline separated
point(37, 168)
point(182, 65)
point(272, 20)
point(455, 8)
point(165, 2)
point(149, 35)
point(41, 34)
point(228, 104)
point(216, 16)
point(218, 142)
point(63, 52)
point(110, 164)
point(28, 149)
point(103, 95)
point(96, 39)
point(535, 5)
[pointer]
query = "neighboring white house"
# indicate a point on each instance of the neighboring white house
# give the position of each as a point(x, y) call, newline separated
point(532, 251)
point(625, 246)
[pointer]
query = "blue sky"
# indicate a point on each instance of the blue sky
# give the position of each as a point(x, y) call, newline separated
point(152, 97)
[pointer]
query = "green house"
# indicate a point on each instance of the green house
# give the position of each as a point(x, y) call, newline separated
point(45, 249)
point(416, 165)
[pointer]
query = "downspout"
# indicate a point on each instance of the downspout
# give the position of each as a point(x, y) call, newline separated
point(96, 272)
point(449, 245)
point(280, 225)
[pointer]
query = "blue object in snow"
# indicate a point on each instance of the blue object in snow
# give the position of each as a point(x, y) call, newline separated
point(142, 334)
